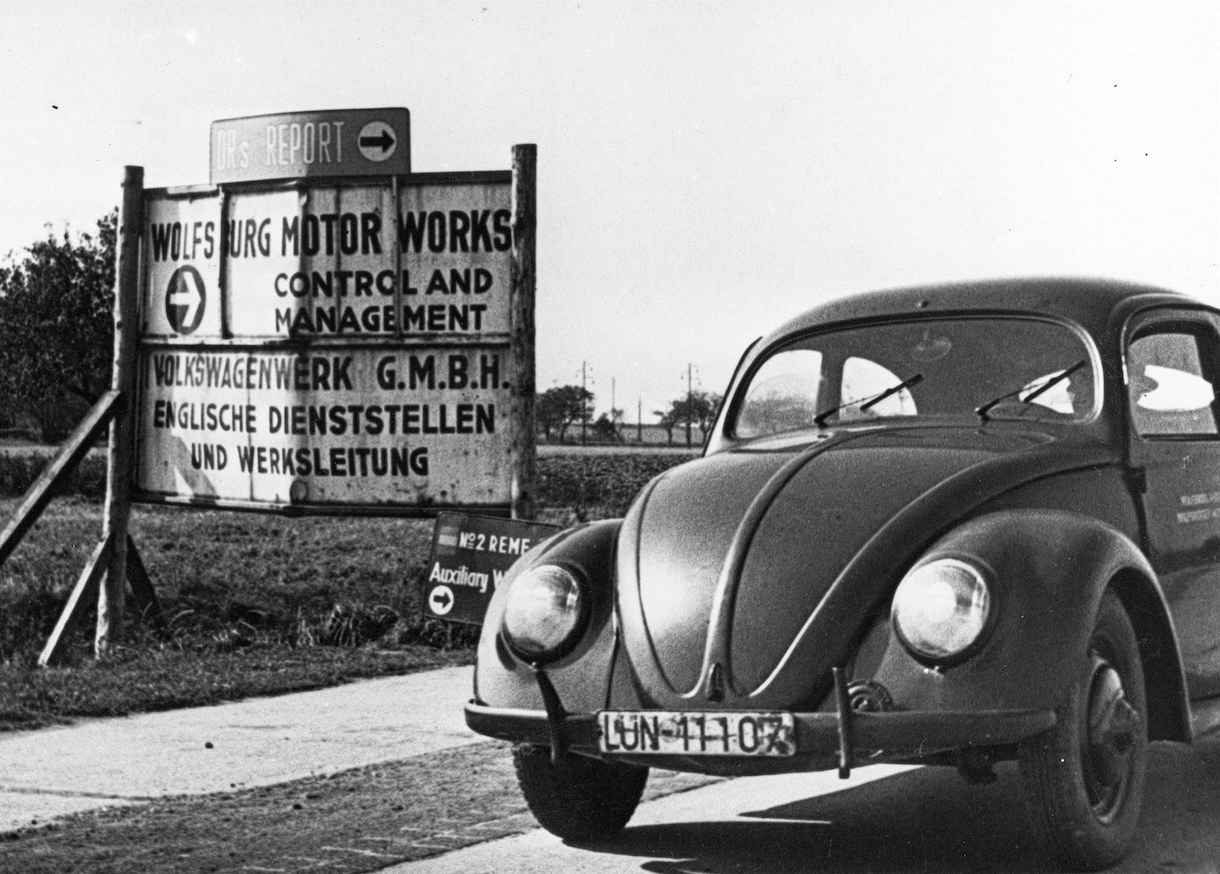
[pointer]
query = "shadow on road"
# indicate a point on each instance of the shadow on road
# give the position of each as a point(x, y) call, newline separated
point(931, 820)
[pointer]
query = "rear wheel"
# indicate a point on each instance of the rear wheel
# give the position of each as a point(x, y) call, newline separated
point(1084, 779)
point(578, 799)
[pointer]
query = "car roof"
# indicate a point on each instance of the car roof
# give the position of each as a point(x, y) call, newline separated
point(1089, 302)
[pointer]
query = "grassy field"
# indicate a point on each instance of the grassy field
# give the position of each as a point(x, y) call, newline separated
point(256, 604)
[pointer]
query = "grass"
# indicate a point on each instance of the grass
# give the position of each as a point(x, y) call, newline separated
point(255, 604)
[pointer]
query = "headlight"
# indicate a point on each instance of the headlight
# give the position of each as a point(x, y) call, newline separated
point(544, 614)
point(941, 608)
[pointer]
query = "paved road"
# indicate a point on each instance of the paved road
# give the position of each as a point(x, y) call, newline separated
point(885, 819)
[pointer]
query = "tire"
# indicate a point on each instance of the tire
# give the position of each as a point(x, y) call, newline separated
point(1083, 780)
point(579, 799)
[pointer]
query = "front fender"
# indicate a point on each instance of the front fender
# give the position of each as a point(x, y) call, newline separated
point(1049, 570)
point(582, 677)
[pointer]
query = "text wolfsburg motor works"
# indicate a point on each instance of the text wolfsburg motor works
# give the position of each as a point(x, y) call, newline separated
point(349, 233)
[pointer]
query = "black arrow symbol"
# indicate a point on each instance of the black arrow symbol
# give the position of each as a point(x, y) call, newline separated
point(385, 140)
point(440, 598)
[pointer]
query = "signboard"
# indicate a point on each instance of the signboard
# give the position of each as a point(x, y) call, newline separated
point(325, 426)
point(470, 555)
point(332, 261)
point(317, 331)
point(342, 342)
point(294, 145)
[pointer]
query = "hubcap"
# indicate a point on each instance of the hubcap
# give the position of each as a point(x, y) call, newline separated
point(1112, 727)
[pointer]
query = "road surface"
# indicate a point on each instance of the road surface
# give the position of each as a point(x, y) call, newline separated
point(884, 820)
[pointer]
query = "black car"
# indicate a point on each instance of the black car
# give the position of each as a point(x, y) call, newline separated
point(950, 525)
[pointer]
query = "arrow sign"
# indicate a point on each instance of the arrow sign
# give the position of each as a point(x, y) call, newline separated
point(471, 555)
point(371, 143)
point(385, 141)
point(440, 600)
point(185, 298)
point(377, 141)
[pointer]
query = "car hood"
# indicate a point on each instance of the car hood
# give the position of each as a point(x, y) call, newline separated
point(745, 576)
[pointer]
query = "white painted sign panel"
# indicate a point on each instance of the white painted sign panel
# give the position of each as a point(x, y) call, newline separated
point(340, 344)
point(326, 262)
point(182, 240)
point(325, 425)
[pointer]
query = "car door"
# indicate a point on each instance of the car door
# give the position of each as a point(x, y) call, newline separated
point(1172, 369)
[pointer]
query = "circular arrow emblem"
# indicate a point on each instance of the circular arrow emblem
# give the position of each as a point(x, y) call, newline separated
point(185, 298)
point(440, 600)
point(377, 141)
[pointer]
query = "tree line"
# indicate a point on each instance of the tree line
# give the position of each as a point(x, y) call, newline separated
point(561, 409)
point(57, 338)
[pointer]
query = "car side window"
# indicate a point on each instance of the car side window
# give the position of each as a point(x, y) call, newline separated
point(1171, 387)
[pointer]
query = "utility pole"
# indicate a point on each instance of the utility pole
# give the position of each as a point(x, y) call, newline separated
point(613, 411)
point(689, 409)
point(639, 420)
point(584, 405)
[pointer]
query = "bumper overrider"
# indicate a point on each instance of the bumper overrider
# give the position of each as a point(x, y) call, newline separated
point(821, 740)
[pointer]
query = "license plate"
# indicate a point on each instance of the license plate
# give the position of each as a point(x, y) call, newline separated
point(696, 734)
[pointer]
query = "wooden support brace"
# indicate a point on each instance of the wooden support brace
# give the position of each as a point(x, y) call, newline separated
point(86, 590)
point(83, 593)
point(69, 456)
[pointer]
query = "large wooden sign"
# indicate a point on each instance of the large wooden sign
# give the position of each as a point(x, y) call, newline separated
point(329, 345)
point(359, 341)
point(318, 331)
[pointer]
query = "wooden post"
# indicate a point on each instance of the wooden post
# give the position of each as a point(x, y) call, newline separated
point(524, 443)
point(121, 459)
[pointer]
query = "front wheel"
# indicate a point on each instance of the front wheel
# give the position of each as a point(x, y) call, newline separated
point(1084, 779)
point(578, 799)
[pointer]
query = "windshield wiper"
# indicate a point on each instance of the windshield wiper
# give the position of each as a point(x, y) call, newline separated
point(1029, 398)
point(869, 402)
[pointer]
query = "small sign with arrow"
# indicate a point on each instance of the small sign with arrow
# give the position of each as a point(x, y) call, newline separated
point(470, 555)
point(295, 145)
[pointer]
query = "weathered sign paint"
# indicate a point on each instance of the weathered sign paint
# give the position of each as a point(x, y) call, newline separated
point(325, 426)
point(294, 145)
point(327, 262)
point(330, 344)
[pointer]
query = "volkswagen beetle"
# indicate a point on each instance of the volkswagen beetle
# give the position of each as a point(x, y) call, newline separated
point(950, 525)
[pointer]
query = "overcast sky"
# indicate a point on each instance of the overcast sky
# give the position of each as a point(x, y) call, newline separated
point(705, 170)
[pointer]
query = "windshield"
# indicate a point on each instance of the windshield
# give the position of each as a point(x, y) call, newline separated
point(926, 368)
